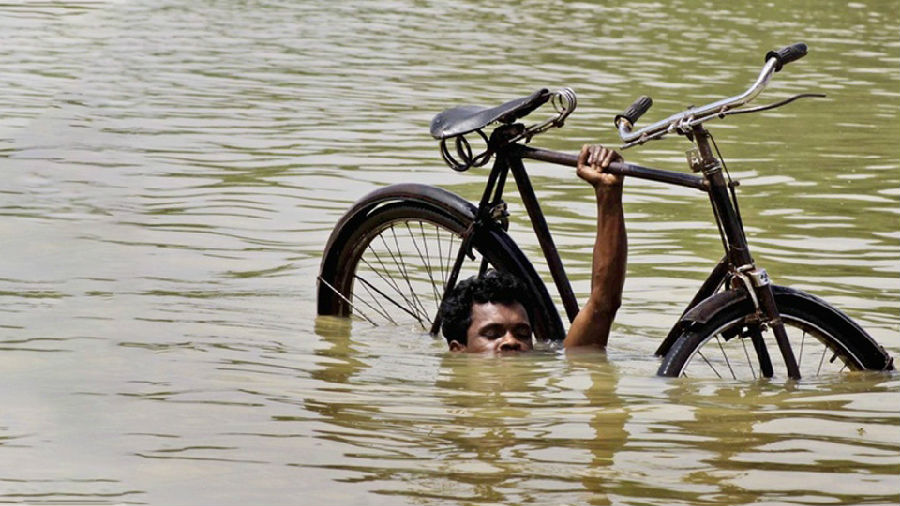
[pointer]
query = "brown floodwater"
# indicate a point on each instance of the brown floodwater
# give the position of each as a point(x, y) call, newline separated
point(172, 170)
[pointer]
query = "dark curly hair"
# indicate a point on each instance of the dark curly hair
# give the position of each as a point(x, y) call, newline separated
point(495, 286)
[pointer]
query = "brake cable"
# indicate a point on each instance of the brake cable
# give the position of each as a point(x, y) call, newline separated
point(731, 184)
point(771, 106)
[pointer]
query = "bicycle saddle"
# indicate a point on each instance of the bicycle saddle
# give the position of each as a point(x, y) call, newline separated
point(467, 118)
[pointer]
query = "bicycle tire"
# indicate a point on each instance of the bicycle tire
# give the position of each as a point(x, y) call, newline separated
point(388, 259)
point(719, 347)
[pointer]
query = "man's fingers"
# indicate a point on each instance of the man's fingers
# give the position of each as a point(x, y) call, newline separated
point(608, 157)
point(585, 153)
point(592, 160)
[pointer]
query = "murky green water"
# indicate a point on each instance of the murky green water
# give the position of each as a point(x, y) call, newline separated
point(172, 170)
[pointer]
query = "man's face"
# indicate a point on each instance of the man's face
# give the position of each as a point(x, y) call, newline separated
point(497, 328)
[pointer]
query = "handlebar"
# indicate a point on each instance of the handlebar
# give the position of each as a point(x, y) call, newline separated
point(635, 110)
point(684, 121)
point(787, 54)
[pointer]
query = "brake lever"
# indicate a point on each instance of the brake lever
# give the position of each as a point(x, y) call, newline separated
point(773, 105)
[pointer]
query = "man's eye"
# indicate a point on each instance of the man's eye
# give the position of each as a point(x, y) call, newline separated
point(491, 333)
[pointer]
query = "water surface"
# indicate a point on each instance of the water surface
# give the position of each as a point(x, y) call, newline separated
point(173, 169)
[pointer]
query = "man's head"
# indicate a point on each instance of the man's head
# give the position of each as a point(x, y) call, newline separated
point(489, 313)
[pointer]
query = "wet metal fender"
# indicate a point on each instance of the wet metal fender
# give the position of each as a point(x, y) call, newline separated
point(426, 195)
point(701, 313)
point(409, 192)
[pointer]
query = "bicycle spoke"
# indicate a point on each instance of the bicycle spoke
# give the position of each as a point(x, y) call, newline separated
point(451, 257)
point(400, 268)
point(381, 310)
point(345, 299)
point(426, 263)
point(750, 364)
point(391, 284)
point(709, 364)
point(800, 355)
point(392, 301)
point(441, 254)
point(389, 279)
point(725, 356)
point(821, 360)
point(401, 265)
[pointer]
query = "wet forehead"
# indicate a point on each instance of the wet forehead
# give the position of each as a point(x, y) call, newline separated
point(490, 312)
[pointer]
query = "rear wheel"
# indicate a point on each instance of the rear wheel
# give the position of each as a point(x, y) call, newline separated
point(825, 342)
point(391, 266)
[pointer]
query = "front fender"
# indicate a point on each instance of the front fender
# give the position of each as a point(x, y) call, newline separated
point(702, 312)
point(857, 341)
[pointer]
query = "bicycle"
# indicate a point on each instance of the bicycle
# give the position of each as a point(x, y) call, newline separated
point(399, 249)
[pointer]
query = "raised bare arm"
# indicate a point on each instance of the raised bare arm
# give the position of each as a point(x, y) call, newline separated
point(592, 324)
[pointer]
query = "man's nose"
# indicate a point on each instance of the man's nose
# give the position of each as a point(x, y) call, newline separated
point(510, 343)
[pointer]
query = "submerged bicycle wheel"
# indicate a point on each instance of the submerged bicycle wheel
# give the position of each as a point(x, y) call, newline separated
point(824, 340)
point(391, 265)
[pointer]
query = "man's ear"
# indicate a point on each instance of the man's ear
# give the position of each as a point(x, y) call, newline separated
point(457, 347)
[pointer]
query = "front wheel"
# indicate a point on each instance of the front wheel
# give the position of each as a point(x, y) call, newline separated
point(825, 342)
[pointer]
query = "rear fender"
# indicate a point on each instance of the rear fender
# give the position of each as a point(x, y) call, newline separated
point(433, 196)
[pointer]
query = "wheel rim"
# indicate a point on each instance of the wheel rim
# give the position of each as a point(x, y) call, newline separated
point(726, 356)
point(400, 273)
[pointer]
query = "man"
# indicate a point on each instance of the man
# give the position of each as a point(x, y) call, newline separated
point(491, 314)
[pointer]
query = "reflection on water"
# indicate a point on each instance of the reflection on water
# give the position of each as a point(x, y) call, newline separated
point(172, 170)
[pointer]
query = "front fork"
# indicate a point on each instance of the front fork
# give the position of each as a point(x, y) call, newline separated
point(755, 280)
point(759, 287)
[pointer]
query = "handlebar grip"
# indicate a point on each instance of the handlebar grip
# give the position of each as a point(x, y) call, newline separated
point(787, 54)
point(635, 110)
